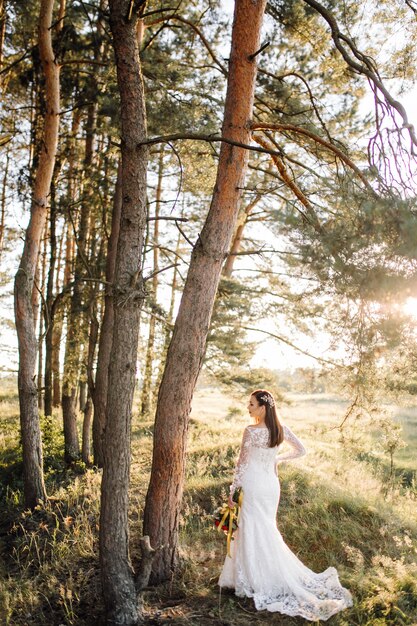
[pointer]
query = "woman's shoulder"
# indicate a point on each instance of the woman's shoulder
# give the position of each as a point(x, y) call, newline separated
point(256, 435)
point(254, 431)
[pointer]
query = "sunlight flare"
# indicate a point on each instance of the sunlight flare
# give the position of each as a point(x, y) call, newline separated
point(410, 307)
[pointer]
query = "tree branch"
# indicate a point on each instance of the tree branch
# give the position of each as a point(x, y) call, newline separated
point(348, 413)
point(412, 5)
point(362, 64)
point(326, 144)
point(258, 126)
point(167, 252)
point(195, 28)
point(310, 93)
point(164, 217)
point(83, 62)
point(163, 269)
point(289, 343)
point(311, 214)
point(17, 61)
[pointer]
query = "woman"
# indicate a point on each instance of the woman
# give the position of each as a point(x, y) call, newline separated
point(261, 565)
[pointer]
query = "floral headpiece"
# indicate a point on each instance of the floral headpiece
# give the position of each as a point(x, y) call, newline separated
point(268, 399)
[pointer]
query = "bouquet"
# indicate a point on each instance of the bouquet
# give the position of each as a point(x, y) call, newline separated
point(223, 517)
point(226, 519)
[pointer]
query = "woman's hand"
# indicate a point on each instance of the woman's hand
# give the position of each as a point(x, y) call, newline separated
point(231, 502)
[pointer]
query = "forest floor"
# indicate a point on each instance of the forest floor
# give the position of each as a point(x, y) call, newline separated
point(339, 506)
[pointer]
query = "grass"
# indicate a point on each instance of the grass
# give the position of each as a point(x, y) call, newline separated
point(335, 510)
point(407, 416)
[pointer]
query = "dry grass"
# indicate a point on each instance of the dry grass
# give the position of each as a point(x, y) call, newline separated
point(334, 510)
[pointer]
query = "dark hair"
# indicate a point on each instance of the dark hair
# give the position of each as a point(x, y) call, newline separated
point(276, 432)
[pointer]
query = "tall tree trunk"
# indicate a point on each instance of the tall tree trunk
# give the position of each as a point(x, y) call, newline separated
point(88, 408)
point(37, 116)
point(35, 289)
point(170, 318)
point(86, 434)
point(128, 292)
point(147, 399)
point(3, 200)
point(41, 320)
point(33, 117)
point(56, 375)
point(3, 16)
point(59, 24)
point(106, 333)
point(237, 239)
point(93, 325)
point(34, 488)
point(186, 351)
point(92, 290)
point(76, 335)
point(70, 380)
point(89, 318)
point(82, 399)
point(50, 327)
point(59, 316)
point(70, 248)
point(174, 286)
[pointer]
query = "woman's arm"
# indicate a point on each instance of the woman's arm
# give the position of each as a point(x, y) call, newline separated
point(297, 447)
point(241, 465)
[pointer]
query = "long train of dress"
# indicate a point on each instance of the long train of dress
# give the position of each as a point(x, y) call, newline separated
point(261, 565)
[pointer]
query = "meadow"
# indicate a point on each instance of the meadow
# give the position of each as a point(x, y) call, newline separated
point(339, 506)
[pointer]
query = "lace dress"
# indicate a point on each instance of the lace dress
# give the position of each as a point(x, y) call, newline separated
point(261, 565)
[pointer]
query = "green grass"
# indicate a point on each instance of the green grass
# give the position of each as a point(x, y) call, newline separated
point(335, 510)
point(407, 416)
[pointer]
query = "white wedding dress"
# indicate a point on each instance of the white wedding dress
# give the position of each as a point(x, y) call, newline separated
point(261, 565)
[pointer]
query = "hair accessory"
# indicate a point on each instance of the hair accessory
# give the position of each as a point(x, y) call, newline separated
point(268, 399)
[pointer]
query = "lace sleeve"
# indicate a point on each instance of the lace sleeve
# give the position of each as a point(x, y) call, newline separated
point(242, 462)
point(297, 447)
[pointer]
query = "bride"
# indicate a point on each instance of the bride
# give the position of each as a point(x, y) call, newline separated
point(261, 565)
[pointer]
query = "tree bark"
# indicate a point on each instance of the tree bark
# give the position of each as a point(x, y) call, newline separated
point(42, 264)
point(128, 292)
point(82, 391)
point(56, 376)
point(187, 347)
point(34, 488)
point(49, 344)
point(106, 333)
point(61, 14)
point(86, 435)
point(35, 289)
